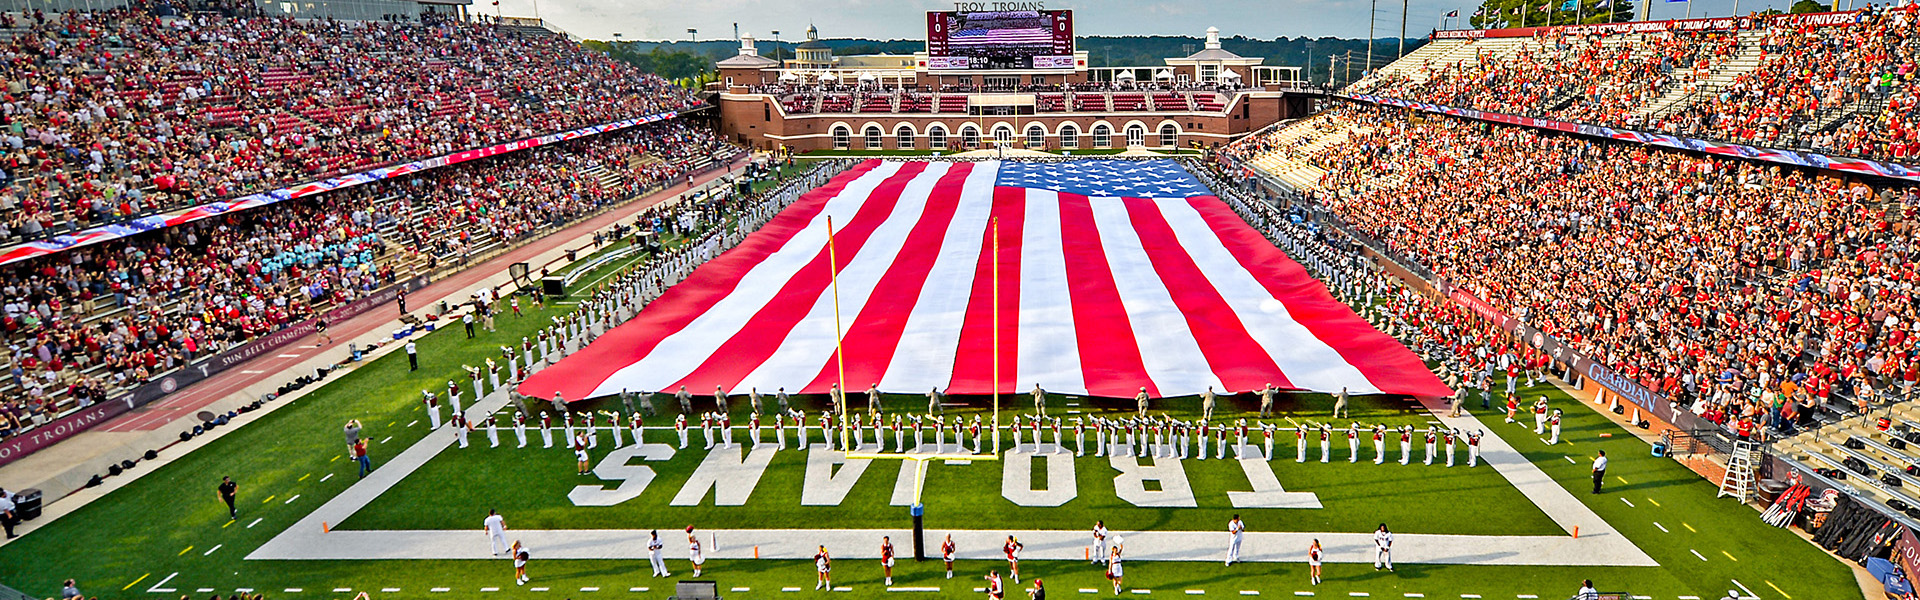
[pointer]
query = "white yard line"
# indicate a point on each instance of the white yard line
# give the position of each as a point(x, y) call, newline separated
point(1663, 528)
point(1696, 554)
point(156, 589)
point(1629, 503)
point(209, 551)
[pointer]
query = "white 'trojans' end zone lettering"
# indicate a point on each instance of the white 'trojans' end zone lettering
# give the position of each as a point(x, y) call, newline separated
point(1016, 481)
point(633, 478)
point(1131, 484)
point(728, 474)
point(822, 485)
point(1267, 492)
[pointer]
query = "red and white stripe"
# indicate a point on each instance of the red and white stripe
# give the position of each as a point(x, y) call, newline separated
point(1098, 296)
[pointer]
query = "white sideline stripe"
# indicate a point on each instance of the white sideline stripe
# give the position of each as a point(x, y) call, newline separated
point(595, 589)
point(209, 551)
point(1663, 528)
point(1089, 591)
point(1412, 595)
point(345, 590)
point(290, 500)
point(1358, 594)
point(1526, 596)
point(741, 589)
point(415, 422)
point(1195, 592)
point(162, 590)
point(1629, 503)
point(1642, 597)
point(203, 590)
point(1689, 598)
point(537, 589)
point(979, 589)
point(1469, 595)
point(843, 589)
point(440, 590)
point(1696, 554)
point(329, 476)
point(641, 589)
point(1249, 592)
point(784, 589)
point(1569, 458)
point(244, 590)
point(293, 590)
point(1142, 592)
point(489, 589)
point(911, 589)
point(257, 521)
point(389, 438)
point(1303, 593)
point(1743, 588)
point(389, 590)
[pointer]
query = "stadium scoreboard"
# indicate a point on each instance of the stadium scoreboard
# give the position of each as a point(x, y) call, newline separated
point(1000, 40)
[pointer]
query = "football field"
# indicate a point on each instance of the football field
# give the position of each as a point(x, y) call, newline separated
point(1502, 529)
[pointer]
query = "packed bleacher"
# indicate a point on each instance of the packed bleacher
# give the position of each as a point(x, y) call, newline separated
point(1733, 288)
point(119, 113)
point(85, 324)
point(1849, 89)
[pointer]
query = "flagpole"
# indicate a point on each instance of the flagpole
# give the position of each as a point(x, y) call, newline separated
point(995, 224)
point(839, 358)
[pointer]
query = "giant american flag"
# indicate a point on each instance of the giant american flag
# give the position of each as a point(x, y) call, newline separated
point(1112, 276)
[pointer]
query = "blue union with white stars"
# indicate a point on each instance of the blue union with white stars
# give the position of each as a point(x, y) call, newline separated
point(1105, 178)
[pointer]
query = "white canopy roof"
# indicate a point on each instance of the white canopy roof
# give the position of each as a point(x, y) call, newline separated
point(829, 77)
point(789, 77)
point(1164, 74)
point(866, 77)
point(1124, 75)
point(1229, 75)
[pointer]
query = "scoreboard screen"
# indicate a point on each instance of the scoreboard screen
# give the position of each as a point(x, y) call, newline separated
point(1018, 39)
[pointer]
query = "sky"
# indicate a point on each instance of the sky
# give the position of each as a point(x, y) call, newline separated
point(905, 19)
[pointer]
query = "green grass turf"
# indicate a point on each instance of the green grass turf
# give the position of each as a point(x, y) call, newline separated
point(446, 492)
point(167, 521)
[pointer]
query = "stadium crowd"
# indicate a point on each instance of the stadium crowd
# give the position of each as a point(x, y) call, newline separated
point(89, 322)
point(1808, 81)
point(1732, 287)
point(115, 114)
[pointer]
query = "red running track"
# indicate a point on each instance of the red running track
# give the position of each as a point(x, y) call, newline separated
point(193, 399)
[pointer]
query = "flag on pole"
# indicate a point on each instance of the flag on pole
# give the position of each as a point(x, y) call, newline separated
point(1456, 13)
point(1114, 275)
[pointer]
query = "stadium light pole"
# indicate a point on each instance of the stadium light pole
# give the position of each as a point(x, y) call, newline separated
point(1373, 11)
point(1403, 31)
point(1310, 46)
point(776, 45)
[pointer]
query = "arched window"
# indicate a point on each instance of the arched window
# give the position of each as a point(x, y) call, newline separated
point(1003, 134)
point(1169, 136)
point(1136, 135)
point(1036, 136)
point(903, 138)
point(969, 138)
point(842, 138)
point(1102, 136)
point(873, 137)
point(1069, 137)
point(937, 137)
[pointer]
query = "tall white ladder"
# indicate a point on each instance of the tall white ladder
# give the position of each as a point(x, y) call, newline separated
point(1739, 480)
